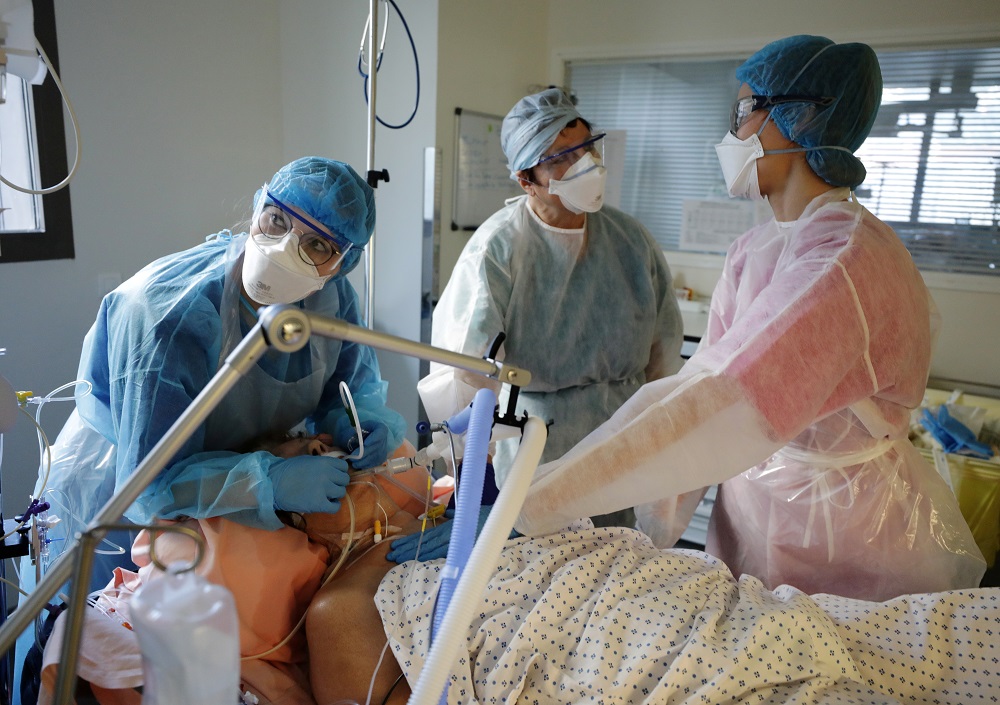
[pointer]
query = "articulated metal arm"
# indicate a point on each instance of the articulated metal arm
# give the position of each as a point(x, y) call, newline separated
point(285, 328)
point(334, 328)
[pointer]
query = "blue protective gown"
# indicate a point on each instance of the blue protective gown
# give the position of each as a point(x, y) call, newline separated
point(591, 314)
point(159, 339)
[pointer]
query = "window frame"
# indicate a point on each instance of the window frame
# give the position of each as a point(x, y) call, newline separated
point(56, 241)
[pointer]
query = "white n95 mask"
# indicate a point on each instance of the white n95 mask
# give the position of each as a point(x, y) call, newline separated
point(581, 189)
point(274, 273)
point(738, 159)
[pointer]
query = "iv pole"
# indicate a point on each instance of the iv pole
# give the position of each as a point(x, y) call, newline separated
point(373, 176)
point(285, 328)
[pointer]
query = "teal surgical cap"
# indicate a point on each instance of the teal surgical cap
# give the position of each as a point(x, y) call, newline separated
point(334, 195)
point(819, 68)
point(532, 125)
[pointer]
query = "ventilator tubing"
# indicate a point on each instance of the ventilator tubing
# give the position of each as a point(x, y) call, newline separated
point(480, 566)
point(478, 418)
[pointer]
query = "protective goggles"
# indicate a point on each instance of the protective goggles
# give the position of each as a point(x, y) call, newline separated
point(274, 220)
point(743, 107)
point(571, 156)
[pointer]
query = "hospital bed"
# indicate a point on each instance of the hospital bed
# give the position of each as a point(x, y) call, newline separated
point(600, 615)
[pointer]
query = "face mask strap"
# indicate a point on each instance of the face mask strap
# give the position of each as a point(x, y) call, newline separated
point(796, 149)
point(807, 149)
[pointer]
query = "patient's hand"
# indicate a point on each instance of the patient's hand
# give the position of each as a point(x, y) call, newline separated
point(435, 541)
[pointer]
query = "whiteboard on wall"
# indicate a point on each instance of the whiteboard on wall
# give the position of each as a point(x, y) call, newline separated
point(482, 180)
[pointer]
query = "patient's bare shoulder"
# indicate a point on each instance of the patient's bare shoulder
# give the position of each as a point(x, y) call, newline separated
point(345, 635)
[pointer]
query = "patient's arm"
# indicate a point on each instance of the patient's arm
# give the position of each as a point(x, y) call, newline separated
point(345, 633)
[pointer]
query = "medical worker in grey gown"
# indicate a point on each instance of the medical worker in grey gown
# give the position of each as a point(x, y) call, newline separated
point(580, 289)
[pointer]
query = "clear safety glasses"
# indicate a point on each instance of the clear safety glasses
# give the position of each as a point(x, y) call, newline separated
point(743, 107)
point(571, 156)
point(274, 220)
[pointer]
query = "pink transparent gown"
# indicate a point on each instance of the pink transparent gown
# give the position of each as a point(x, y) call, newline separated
point(818, 345)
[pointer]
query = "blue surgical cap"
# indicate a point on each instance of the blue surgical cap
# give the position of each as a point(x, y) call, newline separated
point(334, 195)
point(532, 125)
point(819, 68)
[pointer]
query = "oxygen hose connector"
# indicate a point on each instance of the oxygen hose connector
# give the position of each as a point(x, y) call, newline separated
point(394, 465)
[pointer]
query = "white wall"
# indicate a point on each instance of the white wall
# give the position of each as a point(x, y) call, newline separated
point(175, 138)
point(970, 334)
point(491, 54)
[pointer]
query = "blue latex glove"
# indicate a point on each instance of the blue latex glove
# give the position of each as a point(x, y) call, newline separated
point(953, 435)
point(309, 483)
point(436, 540)
point(376, 435)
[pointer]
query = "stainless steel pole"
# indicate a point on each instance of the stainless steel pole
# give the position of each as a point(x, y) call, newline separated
point(239, 361)
point(372, 80)
point(70, 654)
point(335, 328)
point(285, 328)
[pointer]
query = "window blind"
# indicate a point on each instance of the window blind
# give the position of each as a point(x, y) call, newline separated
point(933, 156)
point(674, 113)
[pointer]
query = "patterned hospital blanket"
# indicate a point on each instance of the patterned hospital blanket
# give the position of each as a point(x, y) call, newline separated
point(603, 616)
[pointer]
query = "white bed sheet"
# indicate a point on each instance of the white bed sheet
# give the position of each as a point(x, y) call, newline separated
point(603, 616)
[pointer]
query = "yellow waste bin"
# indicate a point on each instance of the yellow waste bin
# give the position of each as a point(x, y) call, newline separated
point(977, 486)
point(976, 482)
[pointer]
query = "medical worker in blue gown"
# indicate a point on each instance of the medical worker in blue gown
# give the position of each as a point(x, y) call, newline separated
point(161, 336)
point(580, 289)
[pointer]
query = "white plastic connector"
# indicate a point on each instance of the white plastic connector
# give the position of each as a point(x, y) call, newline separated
point(394, 465)
point(427, 456)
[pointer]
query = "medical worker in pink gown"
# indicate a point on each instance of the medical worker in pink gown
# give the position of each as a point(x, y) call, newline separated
point(799, 396)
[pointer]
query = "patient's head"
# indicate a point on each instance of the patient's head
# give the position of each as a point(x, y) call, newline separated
point(284, 445)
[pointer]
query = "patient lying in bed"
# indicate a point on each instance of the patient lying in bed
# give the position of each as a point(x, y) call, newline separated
point(601, 615)
point(273, 576)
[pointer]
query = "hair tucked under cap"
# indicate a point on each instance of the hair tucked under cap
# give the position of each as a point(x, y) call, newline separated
point(334, 195)
point(532, 125)
point(817, 67)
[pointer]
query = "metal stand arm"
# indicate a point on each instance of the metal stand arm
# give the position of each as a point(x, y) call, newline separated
point(88, 540)
point(285, 328)
point(246, 354)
